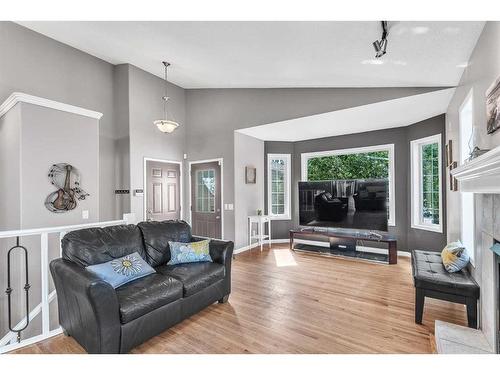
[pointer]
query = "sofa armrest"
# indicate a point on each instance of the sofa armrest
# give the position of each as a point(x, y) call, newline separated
point(88, 307)
point(220, 251)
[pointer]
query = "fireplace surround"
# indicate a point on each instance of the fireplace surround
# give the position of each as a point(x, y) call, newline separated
point(481, 176)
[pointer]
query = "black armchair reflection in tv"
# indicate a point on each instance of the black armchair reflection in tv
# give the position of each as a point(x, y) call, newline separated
point(354, 204)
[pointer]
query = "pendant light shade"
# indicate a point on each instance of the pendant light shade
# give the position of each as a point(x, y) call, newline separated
point(165, 125)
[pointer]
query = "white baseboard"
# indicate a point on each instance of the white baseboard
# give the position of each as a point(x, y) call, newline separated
point(322, 244)
point(248, 247)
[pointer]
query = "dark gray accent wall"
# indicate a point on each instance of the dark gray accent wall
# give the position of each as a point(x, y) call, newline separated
point(408, 238)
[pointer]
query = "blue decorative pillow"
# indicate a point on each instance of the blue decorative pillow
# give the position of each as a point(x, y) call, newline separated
point(189, 252)
point(120, 271)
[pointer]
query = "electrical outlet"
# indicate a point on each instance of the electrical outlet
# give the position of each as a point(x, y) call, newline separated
point(85, 214)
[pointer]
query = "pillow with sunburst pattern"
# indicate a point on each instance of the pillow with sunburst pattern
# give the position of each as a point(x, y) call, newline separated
point(120, 271)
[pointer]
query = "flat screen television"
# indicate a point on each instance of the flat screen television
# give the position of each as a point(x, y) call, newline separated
point(351, 204)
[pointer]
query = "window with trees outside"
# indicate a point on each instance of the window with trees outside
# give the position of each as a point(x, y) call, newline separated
point(356, 163)
point(278, 180)
point(426, 183)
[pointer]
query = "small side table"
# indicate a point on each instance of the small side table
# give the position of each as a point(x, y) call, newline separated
point(260, 220)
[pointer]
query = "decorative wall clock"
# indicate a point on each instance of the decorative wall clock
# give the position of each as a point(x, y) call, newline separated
point(66, 179)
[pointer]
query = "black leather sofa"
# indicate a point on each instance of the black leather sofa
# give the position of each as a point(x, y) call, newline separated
point(105, 320)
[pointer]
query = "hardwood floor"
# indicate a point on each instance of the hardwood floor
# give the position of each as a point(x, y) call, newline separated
point(286, 302)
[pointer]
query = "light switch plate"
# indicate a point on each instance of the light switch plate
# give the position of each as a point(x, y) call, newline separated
point(85, 214)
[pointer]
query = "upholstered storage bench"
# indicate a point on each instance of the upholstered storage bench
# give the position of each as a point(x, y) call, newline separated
point(432, 280)
point(107, 320)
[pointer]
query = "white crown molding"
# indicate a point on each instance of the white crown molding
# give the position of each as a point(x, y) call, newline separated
point(480, 175)
point(19, 97)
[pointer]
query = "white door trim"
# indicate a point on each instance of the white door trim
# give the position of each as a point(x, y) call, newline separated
point(144, 196)
point(221, 162)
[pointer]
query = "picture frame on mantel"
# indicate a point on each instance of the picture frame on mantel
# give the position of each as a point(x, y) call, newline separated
point(493, 107)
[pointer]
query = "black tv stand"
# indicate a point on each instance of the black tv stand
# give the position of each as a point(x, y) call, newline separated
point(343, 242)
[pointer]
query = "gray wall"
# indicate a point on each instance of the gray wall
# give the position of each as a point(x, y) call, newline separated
point(46, 139)
point(408, 238)
point(213, 114)
point(483, 69)
point(248, 198)
point(36, 137)
point(122, 137)
point(37, 65)
point(146, 106)
point(129, 98)
point(10, 169)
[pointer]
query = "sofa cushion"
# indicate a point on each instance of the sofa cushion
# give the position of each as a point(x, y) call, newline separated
point(156, 235)
point(90, 246)
point(429, 273)
point(141, 296)
point(194, 276)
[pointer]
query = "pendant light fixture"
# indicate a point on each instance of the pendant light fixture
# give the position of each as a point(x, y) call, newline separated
point(165, 125)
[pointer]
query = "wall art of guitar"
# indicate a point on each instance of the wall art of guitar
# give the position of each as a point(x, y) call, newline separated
point(66, 179)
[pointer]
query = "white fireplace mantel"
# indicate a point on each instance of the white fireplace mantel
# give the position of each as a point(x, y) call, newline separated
point(480, 175)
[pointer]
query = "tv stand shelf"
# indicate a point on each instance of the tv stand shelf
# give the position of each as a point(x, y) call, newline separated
point(343, 242)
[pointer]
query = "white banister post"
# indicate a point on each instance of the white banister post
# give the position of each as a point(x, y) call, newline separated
point(61, 235)
point(44, 263)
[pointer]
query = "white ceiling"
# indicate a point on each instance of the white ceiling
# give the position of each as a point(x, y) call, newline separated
point(382, 115)
point(278, 54)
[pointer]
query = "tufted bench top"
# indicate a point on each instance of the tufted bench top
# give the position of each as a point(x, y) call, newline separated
point(429, 273)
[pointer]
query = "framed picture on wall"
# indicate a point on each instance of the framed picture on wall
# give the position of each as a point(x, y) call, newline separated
point(493, 107)
point(250, 175)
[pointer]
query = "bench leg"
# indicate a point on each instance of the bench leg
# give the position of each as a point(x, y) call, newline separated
point(419, 305)
point(471, 312)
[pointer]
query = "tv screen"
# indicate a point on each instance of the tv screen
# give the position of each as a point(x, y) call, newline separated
point(353, 204)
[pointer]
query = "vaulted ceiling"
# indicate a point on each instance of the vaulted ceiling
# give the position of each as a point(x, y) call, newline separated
point(279, 54)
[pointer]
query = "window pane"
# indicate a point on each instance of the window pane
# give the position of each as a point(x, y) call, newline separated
point(277, 180)
point(429, 156)
point(205, 191)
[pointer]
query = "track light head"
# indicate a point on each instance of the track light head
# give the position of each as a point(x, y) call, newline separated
point(380, 46)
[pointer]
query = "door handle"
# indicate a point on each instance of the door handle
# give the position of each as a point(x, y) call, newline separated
point(217, 217)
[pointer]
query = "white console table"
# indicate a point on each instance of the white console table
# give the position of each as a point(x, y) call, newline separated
point(260, 221)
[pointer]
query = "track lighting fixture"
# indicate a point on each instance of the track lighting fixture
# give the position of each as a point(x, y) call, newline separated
point(381, 45)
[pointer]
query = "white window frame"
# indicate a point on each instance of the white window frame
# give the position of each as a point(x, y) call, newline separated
point(462, 156)
point(288, 178)
point(359, 150)
point(416, 183)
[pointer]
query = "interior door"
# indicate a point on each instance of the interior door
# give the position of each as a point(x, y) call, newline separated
point(206, 218)
point(162, 191)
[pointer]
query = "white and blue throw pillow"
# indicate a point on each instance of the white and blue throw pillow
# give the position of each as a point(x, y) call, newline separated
point(189, 252)
point(455, 257)
point(120, 271)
